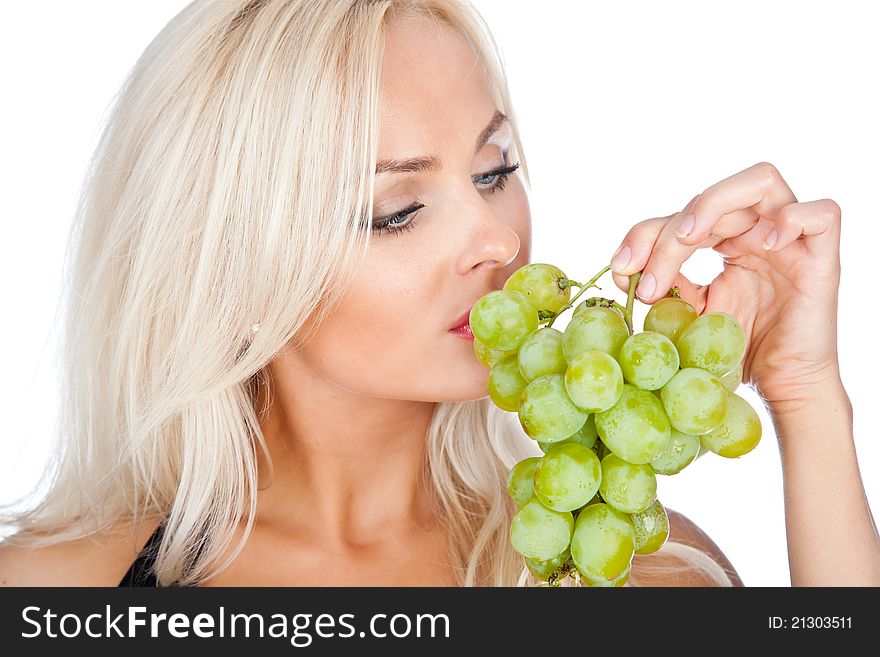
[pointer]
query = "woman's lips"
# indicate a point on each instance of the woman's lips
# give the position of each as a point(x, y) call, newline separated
point(462, 327)
point(463, 319)
point(463, 332)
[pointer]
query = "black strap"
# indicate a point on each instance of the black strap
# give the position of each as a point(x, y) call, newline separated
point(142, 570)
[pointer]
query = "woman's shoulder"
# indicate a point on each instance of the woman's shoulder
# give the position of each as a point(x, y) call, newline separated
point(676, 567)
point(101, 559)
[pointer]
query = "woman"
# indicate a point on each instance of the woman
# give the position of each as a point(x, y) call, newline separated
point(260, 355)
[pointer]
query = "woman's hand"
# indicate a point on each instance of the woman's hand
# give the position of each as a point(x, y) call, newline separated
point(780, 278)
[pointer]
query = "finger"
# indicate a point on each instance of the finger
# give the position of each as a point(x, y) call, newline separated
point(621, 281)
point(760, 188)
point(635, 248)
point(640, 245)
point(694, 293)
point(750, 242)
point(666, 258)
point(817, 221)
point(815, 224)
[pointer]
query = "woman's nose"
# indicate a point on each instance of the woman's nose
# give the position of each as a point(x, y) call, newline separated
point(493, 242)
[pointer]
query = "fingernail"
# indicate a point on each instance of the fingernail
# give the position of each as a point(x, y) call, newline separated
point(646, 286)
point(687, 226)
point(770, 240)
point(621, 259)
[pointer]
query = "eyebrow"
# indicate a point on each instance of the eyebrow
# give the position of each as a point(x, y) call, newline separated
point(426, 163)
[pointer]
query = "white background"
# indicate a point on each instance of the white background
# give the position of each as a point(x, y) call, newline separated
point(627, 111)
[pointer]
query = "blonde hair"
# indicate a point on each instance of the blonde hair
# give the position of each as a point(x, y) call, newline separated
point(233, 183)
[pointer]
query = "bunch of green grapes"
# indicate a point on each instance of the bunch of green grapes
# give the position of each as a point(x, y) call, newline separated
point(611, 409)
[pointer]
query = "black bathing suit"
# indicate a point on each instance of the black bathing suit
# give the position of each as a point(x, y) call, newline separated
point(141, 571)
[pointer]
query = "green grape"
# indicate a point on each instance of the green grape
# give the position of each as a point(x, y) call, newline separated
point(733, 378)
point(651, 528)
point(567, 477)
point(636, 427)
point(593, 381)
point(670, 316)
point(603, 543)
point(538, 282)
point(541, 353)
point(546, 413)
point(681, 452)
point(502, 319)
point(648, 360)
point(520, 480)
point(628, 487)
point(505, 384)
point(695, 401)
point(545, 568)
point(714, 342)
point(594, 328)
point(739, 432)
point(489, 357)
point(618, 582)
point(586, 436)
point(540, 533)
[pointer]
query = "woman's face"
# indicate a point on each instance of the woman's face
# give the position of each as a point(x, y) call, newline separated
point(390, 337)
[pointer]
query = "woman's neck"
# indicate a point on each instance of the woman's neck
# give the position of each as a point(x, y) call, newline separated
point(347, 468)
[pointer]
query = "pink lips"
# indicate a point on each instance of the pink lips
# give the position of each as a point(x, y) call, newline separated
point(463, 318)
point(463, 332)
point(462, 328)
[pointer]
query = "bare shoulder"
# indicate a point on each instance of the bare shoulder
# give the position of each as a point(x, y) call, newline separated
point(652, 569)
point(98, 560)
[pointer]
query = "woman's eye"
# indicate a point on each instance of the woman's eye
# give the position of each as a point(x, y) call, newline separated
point(495, 180)
point(395, 222)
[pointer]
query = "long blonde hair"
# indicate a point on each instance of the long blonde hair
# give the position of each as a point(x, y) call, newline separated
point(233, 183)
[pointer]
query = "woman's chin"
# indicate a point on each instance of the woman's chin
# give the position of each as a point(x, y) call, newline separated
point(468, 386)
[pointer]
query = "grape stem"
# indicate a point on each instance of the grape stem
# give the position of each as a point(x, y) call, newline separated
point(630, 297)
point(599, 302)
point(563, 283)
point(586, 286)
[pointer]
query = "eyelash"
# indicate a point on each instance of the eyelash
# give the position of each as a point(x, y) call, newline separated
point(384, 225)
